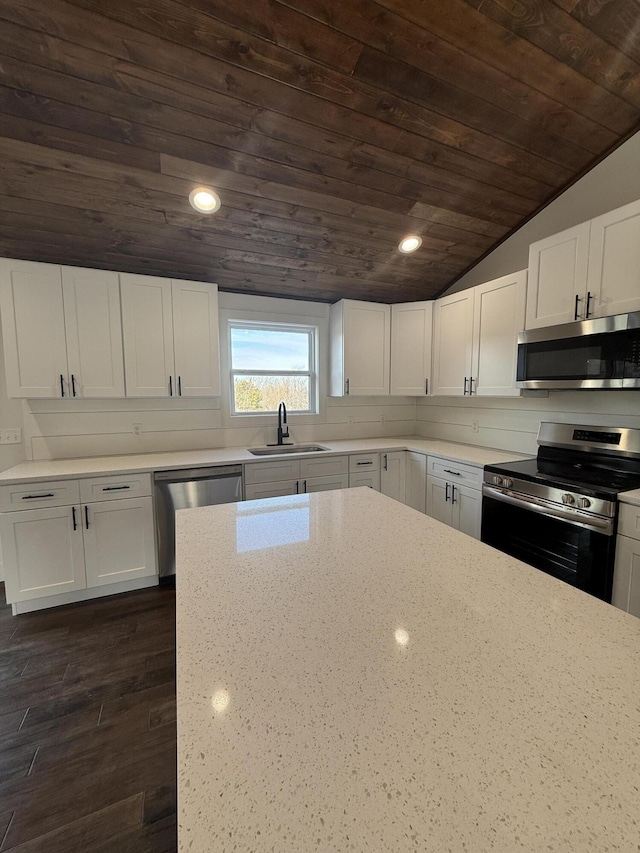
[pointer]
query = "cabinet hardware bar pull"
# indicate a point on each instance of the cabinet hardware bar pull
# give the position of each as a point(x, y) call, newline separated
point(179, 386)
point(447, 471)
point(368, 462)
point(61, 385)
point(86, 516)
point(465, 385)
point(575, 310)
point(305, 487)
point(446, 492)
point(297, 487)
point(73, 516)
point(346, 387)
point(470, 385)
point(171, 386)
point(426, 386)
point(33, 497)
point(73, 385)
point(114, 488)
point(386, 461)
point(453, 494)
point(587, 311)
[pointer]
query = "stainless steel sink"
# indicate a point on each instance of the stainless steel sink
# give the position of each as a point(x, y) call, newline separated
point(286, 448)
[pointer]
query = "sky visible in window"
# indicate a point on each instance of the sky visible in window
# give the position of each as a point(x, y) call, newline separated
point(267, 349)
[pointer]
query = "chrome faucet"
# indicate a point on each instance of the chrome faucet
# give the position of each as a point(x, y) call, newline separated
point(283, 429)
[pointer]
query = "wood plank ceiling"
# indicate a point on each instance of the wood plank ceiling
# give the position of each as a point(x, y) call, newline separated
point(330, 129)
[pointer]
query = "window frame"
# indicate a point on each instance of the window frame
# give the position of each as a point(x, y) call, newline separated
point(310, 329)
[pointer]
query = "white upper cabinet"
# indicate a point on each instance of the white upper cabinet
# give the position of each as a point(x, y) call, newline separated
point(61, 330)
point(170, 337)
point(452, 343)
point(592, 270)
point(498, 316)
point(360, 348)
point(614, 262)
point(558, 278)
point(411, 329)
point(475, 338)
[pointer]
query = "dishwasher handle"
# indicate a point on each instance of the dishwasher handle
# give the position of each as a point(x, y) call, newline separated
point(212, 473)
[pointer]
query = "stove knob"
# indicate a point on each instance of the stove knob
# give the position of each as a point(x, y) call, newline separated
point(583, 502)
point(497, 480)
point(568, 499)
point(507, 482)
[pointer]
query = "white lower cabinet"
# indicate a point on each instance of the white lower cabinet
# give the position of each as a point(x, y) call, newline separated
point(77, 546)
point(295, 477)
point(364, 470)
point(626, 574)
point(454, 495)
point(393, 475)
point(416, 485)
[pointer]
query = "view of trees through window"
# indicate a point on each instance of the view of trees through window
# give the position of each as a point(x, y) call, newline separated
point(271, 363)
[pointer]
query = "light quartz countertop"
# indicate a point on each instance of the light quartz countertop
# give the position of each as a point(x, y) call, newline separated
point(353, 675)
point(631, 497)
point(40, 470)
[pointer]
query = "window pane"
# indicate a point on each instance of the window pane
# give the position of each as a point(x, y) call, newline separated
point(263, 393)
point(268, 349)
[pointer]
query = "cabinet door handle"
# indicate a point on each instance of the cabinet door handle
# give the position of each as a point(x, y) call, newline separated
point(34, 497)
point(587, 311)
point(73, 386)
point(114, 488)
point(304, 491)
point(179, 386)
point(86, 516)
point(446, 492)
point(426, 386)
point(61, 385)
point(73, 516)
point(575, 310)
point(465, 385)
point(171, 386)
point(447, 471)
point(453, 494)
point(297, 487)
point(386, 461)
point(470, 385)
point(346, 388)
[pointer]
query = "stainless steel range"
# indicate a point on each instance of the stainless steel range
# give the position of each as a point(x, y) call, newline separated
point(558, 512)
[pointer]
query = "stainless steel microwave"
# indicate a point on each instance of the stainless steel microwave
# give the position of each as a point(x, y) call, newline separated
point(600, 353)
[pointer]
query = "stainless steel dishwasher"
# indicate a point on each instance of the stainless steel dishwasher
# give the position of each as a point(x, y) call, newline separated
point(185, 489)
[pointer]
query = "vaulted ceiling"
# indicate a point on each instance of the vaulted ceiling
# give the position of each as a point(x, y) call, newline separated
point(329, 128)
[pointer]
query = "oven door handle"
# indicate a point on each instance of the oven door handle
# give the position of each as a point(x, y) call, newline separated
point(592, 522)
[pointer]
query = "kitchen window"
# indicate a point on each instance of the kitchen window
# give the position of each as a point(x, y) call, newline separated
point(270, 363)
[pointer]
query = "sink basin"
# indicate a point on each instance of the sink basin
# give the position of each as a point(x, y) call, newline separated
point(286, 448)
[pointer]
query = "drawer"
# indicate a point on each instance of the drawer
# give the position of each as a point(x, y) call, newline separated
point(455, 472)
point(271, 472)
point(365, 478)
point(364, 462)
point(33, 495)
point(324, 467)
point(629, 521)
point(258, 491)
point(115, 487)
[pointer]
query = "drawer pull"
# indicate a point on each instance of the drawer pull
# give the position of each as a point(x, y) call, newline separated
point(457, 473)
point(368, 462)
point(34, 497)
point(86, 516)
point(115, 488)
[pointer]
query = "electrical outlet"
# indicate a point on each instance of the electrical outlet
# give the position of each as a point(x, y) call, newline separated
point(10, 436)
point(137, 429)
point(475, 426)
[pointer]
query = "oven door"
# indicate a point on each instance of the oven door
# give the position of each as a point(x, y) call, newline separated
point(573, 553)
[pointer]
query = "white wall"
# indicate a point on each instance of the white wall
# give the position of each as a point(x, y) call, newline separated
point(613, 182)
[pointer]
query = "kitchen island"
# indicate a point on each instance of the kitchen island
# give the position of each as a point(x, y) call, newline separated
point(353, 675)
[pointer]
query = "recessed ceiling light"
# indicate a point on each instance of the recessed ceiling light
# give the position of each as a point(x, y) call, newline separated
point(410, 244)
point(204, 200)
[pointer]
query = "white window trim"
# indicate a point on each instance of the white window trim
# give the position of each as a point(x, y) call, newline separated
point(321, 323)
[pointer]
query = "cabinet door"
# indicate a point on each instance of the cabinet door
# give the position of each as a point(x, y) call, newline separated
point(367, 347)
point(614, 262)
point(94, 332)
point(43, 553)
point(411, 332)
point(439, 504)
point(195, 338)
point(257, 491)
point(270, 472)
point(31, 310)
point(452, 342)
point(499, 308)
point(147, 326)
point(393, 475)
point(626, 575)
point(365, 478)
point(416, 495)
point(119, 541)
point(323, 466)
point(467, 509)
point(324, 484)
point(557, 275)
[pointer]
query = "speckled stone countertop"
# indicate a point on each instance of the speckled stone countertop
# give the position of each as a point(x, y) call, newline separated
point(353, 675)
point(631, 497)
point(48, 469)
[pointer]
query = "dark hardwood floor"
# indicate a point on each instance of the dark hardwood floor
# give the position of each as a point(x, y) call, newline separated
point(88, 726)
